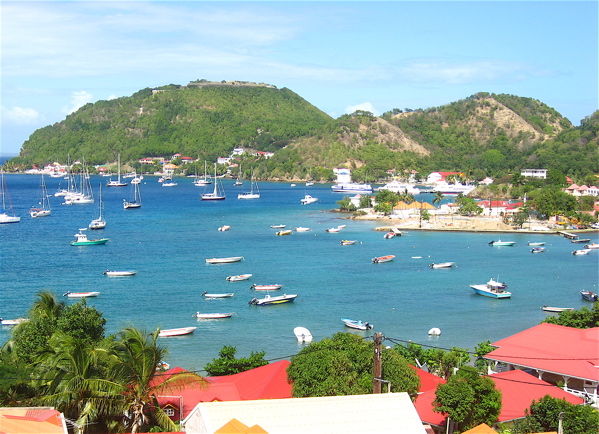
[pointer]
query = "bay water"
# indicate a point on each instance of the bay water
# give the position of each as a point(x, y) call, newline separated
point(170, 237)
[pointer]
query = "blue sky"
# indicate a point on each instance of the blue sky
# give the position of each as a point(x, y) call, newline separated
point(340, 56)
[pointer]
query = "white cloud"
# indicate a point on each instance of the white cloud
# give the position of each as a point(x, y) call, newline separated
point(21, 116)
point(365, 106)
point(78, 100)
point(111, 97)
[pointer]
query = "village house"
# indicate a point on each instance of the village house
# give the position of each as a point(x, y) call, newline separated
point(582, 190)
point(534, 173)
point(499, 208)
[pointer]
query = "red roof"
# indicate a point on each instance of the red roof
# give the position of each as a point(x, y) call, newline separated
point(553, 348)
point(428, 381)
point(493, 203)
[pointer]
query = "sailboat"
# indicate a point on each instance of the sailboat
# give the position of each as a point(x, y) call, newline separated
point(135, 201)
point(218, 193)
point(45, 209)
point(198, 182)
point(100, 222)
point(309, 182)
point(118, 182)
point(85, 194)
point(254, 192)
point(4, 217)
point(239, 181)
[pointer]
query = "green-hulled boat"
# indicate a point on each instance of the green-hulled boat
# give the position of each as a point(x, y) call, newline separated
point(83, 241)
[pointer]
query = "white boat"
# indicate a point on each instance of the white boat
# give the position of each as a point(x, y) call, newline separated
point(537, 249)
point(168, 182)
point(45, 208)
point(381, 259)
point(176, 332)
point(356, 324)
point(119, 273)
point(302, 334)
point(307, 199)
point(301, 229)
point(70, 294)
point(581, 252)
point(85, 193)
point(389, 235)
point(254, 192)
point(200, 182)
point(5, 217)
point(100, 222)
point(352, 187)
point(268, 300)
point(224, 228)
point(495, 284)
point(400, 187)
point(435, 331)
point(555, 309)
point(333, 230)
point(118, 182)
point(442, 265)
point(135, 201)
point(238, 277)
point(224, 260)
point(535, 244)
point(137, 179)
point(592, 246)
point(270, 287)
point(502, 243)
point(218, 193)
point(283, 232)
point(277, 226)
point(224, 295)
point(220, 315)
point(456, 188)
point(490, 291)
point(348, 242)
point(12, 322)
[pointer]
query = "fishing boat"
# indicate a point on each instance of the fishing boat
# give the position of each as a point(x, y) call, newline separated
point(307, 199)
point(270, 287)
point(352, 187)
point(284, 232)
point(70, 294)
point(45, 209)
point(492, 291)
point(238, 277)
point(268, 300)
point(442, 265)
point(82, 239)
point(199, 182)
point(254, 192)
point(348, 242)
point(537, 250)
point(277, 226)
point(592, 246)
point(224, 295)
point(301, 229)
point(118, 182)
point(176, 332)
point(380, 259)
point(5, 217)
point(356, 324)
point(546, 308)
point(302, 334)
point(135, 201)
point(224, 228)
point(218, 193)
point(535, 244)
point(119, 273)
point(220, 315)
point(581, 252)
point(100, 222)
point(502, 243)
point(589, 295)
point(224, 260)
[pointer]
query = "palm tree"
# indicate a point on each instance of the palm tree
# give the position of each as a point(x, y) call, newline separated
point(437, 199)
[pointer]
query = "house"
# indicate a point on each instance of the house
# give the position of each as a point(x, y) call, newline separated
point(43, 420)
point(555, 354)
point(582, 190)
point(374, 413)
point(534, 173)
point(437, 177)
point(497, 208)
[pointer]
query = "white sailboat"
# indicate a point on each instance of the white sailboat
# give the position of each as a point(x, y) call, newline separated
point(45, 208)
point(118, 182)
point(254, 192)
point(239, 181)
point(218, 192)
point(135, 201)
point(100, 222)
point(85, 194)
point(4, 216)
point(199, 182)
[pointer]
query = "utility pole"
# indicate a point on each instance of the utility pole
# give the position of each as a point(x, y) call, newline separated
point(378, 362)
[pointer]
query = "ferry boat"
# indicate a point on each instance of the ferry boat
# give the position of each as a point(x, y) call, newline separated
point(352, 187)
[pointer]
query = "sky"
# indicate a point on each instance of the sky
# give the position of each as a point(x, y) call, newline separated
point(340, 56)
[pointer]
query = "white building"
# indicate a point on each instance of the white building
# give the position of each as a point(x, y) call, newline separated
point(534, 173)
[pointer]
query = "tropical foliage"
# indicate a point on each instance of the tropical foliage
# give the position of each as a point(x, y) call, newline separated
point(228, 364)
point(583, 318)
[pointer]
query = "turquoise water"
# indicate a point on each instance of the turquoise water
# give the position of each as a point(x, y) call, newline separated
point(169, 238)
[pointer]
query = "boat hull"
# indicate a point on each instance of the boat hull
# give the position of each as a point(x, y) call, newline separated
point(442, 265)
point(119, 273)
point(82, 294)
point(199, 315)
point(224, 295)
point(381, 259)
point(267, 301)
point(273, 287)
point(238, 277)
point(176, 332)
point(224, 260)
point(89, 242)
point(490, 292)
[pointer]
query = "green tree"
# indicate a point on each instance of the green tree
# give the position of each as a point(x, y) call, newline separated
point(581, 319)
point(551, 201)
point(345, 204)
point(227, 364)
point(480, 351)
point(343, 365)
point(468, 399)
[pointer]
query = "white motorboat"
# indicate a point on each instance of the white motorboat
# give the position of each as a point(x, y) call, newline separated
point(307, 199)
point(269, 300)
point(176, 332)
point(4, 216)
point(277, 226)
point(456, 188)
point(581, 252)
point(502, 243)
point(224, 228)
point(221, 315)
point(301, 229)
point(224, 295)
point(270, 287)
point(238, 277)
point(333, 230)
point(302, 334)
point(592, 246)
point(356, 324)
point(121, 273)
point(348, 242)
point(45, 209)
point(442, 265)
point(224, 260)
point(546, 308)
point(490, 291)
point(381, 259)
point(535, 244)
point(352, 187)
point(70, 294)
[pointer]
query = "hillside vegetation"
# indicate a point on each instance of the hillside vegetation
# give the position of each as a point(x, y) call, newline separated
point(482, 135)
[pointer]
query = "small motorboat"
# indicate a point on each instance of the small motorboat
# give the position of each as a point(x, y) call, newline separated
point(442, 265)
point(284, 232)
point(301, 229)
point(70, 294)
point(592, 246)
point(200, 315)
point(502, 243)
point(238, 277)
point(348, 242)
point(82, 239)
point(224, 228)
point(435, 331)
point(546, 308)
point(302, 334)
point(224, 260)
point(389, 235)
point(537, 250)
point(307, 199)
point(268, 300)
point(333, 230)
point(277, 226)
point(223, 295)
point(490, 291)
point(119, 273)
point(589, 295)
point(271, 287)
point(167, 333)
point(581, 252)
point(380, 259)
point(12, 322)
point(356, 324)
point(535, 244)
